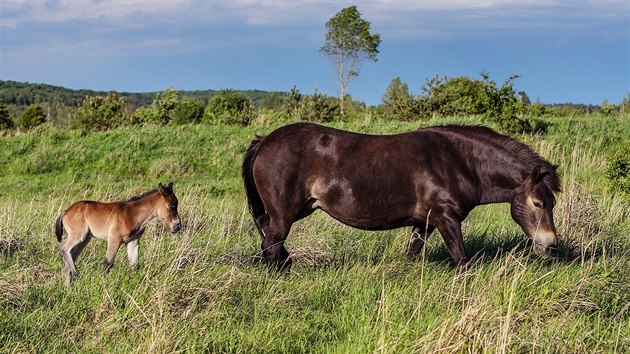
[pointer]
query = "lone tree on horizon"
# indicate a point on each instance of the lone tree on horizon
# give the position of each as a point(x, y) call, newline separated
point(349, 43)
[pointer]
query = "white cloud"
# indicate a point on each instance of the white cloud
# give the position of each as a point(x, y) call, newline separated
point(115, 27)
point(283, 12)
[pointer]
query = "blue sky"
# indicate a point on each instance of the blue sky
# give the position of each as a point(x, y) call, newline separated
point(566, 50)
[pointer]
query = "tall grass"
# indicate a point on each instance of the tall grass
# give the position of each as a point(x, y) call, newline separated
point(348, 291)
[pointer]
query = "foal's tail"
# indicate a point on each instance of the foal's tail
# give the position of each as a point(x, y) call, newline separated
point(59, 226)
point(256, 207)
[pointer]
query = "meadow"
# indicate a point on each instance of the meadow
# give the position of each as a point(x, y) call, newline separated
point(349, 291)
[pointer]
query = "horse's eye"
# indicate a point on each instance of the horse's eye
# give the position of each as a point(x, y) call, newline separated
point(538, 204)
point(171, 207)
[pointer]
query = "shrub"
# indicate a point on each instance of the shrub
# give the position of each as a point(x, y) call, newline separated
point(32, 117)
point(319, 108)
point(5, 121)
point(536, 109)
point(618, 170)
point(608, 109)
point(161, 109)
point(454, 96)
point(313, 108)
point(465, 96)
point(229, 107)
point(100, 113)
point(188, 110)
point(624, 106)
point(399, 103)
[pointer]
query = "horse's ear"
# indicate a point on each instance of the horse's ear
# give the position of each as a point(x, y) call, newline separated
point(538, 174)
point(170, 186)
point(161, 189)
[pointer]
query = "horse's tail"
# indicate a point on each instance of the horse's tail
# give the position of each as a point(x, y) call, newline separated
point(256, 207)
point(59, 226)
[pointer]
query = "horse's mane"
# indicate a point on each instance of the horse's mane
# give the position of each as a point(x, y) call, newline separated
point(521, 151)
point(138, 197)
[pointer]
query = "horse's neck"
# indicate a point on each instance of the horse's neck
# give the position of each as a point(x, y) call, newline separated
point(143, 210)
point(500, 182)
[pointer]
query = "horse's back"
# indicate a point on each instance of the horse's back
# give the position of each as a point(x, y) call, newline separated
point(91, 215)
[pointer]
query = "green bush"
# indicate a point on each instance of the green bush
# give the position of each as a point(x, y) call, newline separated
point(624, 106)
point(188, 110)
point(399, 103)
point(608, 109)
point(161, 110)
point(32, 117)
point(229, 107)
point(100, 113)
point(465, 96)
point(454, 96)
point(5, 121)
point(313, 108)
point(618, 170)
point(536, 109)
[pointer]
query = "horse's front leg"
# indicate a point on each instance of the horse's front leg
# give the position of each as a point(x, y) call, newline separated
point(451, 230)
point(132, 252)
point(113, 243)
point(418, 237)
point(133, 245)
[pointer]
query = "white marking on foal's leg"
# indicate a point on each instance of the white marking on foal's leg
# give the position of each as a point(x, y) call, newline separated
point(132, 252)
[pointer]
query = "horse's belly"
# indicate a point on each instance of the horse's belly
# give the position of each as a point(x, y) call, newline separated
point(367, 205)
point(372, 216)
point(373, 222)
point(99, 233)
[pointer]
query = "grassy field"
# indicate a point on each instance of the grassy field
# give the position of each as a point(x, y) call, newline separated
point(349, 290)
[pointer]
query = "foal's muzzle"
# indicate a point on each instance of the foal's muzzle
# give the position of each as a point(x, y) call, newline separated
point(176, 227)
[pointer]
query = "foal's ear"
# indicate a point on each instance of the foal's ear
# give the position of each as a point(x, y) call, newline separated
point(163, 190)
point(538, 174)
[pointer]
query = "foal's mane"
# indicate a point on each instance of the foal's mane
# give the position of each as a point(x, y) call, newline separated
point(511, 145)
point(138, 197)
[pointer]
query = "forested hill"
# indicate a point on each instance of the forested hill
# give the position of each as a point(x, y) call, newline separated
point(26, 94)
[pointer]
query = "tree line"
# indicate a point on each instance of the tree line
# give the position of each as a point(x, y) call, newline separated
point(502, 104)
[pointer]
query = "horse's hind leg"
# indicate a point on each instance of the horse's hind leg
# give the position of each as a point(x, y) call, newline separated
point(275, 232)
point(70, 249)
point(418, 237)
point(76, 251)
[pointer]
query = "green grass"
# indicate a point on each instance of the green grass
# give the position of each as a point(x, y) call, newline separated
point(348, 291)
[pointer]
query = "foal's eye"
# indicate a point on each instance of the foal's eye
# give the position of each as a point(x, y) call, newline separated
point(171, 207)
point(538, 204)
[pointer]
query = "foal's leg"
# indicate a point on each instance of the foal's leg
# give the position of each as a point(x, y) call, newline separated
point(76, 251)
point(113, 243)
point(70, 249)
point(418, 237)
point(132, 252)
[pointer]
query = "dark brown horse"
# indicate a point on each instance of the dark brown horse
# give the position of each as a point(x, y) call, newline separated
point(117, 222)
point(430, 178)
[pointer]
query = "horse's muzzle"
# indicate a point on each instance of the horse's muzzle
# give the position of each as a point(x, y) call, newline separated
point(545, 241)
